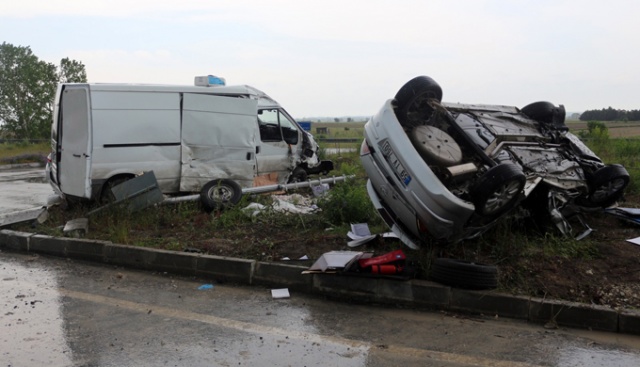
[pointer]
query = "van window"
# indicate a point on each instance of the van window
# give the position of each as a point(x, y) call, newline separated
point(277, 126)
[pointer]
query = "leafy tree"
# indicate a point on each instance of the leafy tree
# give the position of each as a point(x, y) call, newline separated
point(72, 71)
point(27, 89)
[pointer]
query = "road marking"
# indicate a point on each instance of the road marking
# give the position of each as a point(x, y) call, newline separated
point(359, 346)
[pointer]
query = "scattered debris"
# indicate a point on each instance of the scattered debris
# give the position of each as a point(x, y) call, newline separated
point(635, 241)
point(334, 261)
point(631, 215)
point(392, 264)
point(205, 287)
point(360, 234)
point(76, 228)
point(304, 257)
point(294, 203)
point(320, 190)
point(280, 293)
point(21, 216)
point(137, 193)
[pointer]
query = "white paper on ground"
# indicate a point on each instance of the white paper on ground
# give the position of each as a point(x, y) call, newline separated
point(635, 241)
point(359, 230)
point(280, 293)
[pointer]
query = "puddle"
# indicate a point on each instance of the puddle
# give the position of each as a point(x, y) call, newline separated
point(30, 317)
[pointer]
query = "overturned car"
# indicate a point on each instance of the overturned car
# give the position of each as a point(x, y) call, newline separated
point(448, 172)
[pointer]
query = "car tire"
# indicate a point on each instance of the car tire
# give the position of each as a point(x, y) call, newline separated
point(298, 175)
point(546, 112)
point(412, 101)
point(220, 194)
point(464, 274)
point(497, 190)
point(606, 185)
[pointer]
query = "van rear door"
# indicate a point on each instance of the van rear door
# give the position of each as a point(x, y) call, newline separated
point(74, 137)
point(218, 140)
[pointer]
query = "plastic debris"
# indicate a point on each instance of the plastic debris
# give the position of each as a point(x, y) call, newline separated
point(280, 293)
point(205, 287)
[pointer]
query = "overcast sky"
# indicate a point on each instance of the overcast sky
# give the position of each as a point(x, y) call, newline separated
point(345, 58)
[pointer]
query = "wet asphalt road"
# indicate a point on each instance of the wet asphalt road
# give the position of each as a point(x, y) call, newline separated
point(59, 312)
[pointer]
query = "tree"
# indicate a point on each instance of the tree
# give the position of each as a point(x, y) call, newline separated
point(71, 71)
point(27, 89)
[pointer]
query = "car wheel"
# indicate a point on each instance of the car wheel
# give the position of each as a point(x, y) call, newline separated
point(412, 101)
point(607, 185)
point(547, 113)
point(220, 194)
point(498, 189)
point(298, 175)
point(464, 274)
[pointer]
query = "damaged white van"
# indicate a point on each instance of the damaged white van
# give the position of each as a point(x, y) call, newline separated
point(189, 136)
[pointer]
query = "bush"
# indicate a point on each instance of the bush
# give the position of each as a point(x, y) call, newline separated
point(347, 202)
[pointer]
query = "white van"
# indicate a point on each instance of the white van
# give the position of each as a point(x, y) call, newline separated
point(104, 134)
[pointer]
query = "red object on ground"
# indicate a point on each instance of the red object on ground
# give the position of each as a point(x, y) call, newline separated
point(386, 269)
point(388, 258)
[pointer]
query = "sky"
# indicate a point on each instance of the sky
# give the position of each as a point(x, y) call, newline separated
point(347, 57)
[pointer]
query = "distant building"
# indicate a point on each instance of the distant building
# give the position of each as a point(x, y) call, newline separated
point(322, 130)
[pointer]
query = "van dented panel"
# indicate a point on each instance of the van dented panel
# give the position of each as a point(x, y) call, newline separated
point(218, 140)
point(74, 137)
point(134, 132)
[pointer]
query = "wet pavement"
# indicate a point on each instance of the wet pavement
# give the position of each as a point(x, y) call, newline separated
point(59, 312)
point(23, 189)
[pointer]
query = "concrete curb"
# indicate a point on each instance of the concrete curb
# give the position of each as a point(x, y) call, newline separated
point(416, 293)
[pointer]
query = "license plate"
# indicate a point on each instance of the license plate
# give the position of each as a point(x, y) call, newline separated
point(394, 162)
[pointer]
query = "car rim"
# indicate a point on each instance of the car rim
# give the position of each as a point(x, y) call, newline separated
point(501, 197)
point(607, 190)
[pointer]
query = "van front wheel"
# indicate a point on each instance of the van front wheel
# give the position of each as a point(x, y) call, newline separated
point(220, 194)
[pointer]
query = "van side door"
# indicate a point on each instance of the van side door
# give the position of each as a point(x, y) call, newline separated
point(218, 140)
point(279, 137)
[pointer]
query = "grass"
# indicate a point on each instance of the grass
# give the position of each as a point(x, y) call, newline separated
point(23, 152)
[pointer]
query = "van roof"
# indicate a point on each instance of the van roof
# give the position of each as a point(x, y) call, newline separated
point(232, 90)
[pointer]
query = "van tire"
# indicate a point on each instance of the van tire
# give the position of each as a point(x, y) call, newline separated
point(412, 101)
point(298, 175)
point(220, 194)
